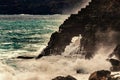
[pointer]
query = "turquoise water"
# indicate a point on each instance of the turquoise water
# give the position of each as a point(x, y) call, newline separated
point(20, 34)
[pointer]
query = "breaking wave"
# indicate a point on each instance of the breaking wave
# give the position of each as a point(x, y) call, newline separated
point(49, 67)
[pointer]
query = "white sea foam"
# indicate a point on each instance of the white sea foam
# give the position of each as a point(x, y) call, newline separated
point(49, 67)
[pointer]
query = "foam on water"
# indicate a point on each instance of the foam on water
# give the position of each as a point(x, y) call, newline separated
point(25, 34)
point(49, 67)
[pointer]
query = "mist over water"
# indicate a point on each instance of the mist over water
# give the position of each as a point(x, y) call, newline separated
point(48, 67)
point(78, 7)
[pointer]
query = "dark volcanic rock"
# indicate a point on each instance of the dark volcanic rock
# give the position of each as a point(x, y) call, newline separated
point(64, 78)
point(115, 64)
point(100, 75)
point(25, 57)
point(94, 23)
point(116, 52)
point(104, 75)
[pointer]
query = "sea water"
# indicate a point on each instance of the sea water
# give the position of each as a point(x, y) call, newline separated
point(25, 34)
point(28, 35)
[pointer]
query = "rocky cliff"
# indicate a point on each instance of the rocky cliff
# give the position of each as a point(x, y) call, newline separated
point(98, 23)
point(39, 6)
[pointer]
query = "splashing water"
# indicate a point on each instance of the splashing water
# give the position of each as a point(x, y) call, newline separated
point(49, 67)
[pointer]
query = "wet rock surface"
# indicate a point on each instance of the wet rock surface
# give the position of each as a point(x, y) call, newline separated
point(104, 75)
point(94, 23)
point(115, 64)
point(64, 78)
point(100, 75)
point(25, 57)
point(116, 52)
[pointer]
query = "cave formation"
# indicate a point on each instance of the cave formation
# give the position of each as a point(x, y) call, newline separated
point(93, 23)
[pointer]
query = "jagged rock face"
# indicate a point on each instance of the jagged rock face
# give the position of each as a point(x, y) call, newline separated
point(94, 23)
point(116, 52)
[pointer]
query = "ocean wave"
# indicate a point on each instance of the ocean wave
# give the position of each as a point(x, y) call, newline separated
point(27, 32)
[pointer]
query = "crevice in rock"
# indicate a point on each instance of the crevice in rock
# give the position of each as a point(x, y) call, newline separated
point(98, 16)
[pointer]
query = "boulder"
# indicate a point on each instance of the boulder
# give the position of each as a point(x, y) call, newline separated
point(104, 75)
point(64, 78)
point(100, 75)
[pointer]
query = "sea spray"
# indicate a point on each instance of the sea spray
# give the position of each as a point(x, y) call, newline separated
point(77, 7)
point(73, 47)
point(6, 72)
point(49, 67)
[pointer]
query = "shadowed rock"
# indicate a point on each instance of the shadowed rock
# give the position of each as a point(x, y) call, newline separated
point(115, 64)
point(93, 23)
point(25, 57)
point(116, 52)
point(104, 75)
point(100, 75)
point(64, 78)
